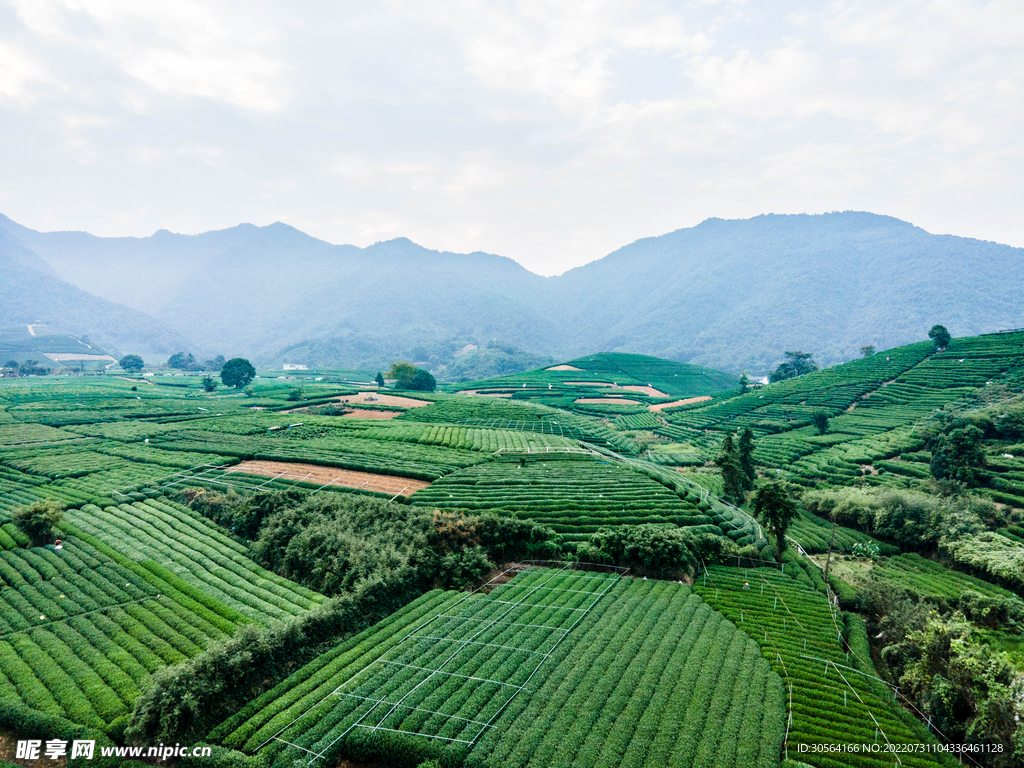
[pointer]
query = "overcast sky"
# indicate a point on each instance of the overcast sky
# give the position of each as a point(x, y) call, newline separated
point(550, 132)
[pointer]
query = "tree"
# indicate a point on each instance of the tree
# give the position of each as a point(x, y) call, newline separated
point(797, 364)
point(209, 385)
point(746, 457)
point(733, 478)
point(957, 454)
point(38, 520)
point(412, 378)
point(940, 336)
point(380, 379)
point(237, 372)
point(744, 383)
point(131, 363)
point(775, 507)
point(867, 350)
point(181, 361)
point(821, 422)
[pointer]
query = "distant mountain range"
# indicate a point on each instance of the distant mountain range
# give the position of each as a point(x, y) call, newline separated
point(726, 294)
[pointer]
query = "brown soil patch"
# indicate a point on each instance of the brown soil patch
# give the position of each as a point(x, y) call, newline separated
point(563, 368)
point(373, 397)
point(362, 413)
point(484, 393)
point(674, 403)
point(312, 473)
point(645, 390)
point(613, 400)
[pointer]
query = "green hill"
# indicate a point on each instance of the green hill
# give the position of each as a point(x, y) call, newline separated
point(609, 375)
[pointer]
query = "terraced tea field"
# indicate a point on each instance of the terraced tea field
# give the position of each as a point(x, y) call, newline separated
point(553, 668)
point(573, 494)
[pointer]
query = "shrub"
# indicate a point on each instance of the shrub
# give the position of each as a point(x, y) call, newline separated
point(39, 520)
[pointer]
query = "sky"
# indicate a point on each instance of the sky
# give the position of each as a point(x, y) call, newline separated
point(552, 133)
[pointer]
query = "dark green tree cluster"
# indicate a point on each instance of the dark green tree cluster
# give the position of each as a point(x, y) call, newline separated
point(187, 362)
point(967, 689)
point(25, 368)
point(209, 385)
point(957, 453)
point(661, 551)
point(913, 520)
point(412, 378)
point(796, 364)
point(868, 350)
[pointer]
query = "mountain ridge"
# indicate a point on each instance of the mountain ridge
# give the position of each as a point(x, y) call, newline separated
point(726, 293)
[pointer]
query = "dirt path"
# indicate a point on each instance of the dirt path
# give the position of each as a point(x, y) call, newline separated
point(674, 403)
point(313, 473)
point(563, 368)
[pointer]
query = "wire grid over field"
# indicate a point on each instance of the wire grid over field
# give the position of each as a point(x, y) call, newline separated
point(455, 673)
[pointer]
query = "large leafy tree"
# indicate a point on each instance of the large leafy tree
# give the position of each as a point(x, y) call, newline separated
point(131, 363)
point(957, 454)
point(237, 372)
point(797, 364)
point(775, 506)
point(410, 377)
point(940, 336)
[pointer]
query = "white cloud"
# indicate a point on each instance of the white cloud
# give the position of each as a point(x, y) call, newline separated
point(185, 48)
point(19, 70)
point(552, 133)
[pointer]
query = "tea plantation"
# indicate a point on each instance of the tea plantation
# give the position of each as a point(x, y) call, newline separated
point(305, 617)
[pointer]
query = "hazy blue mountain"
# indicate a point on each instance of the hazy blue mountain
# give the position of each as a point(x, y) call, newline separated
point(31, 293)
point(737, 294)
point(727, 294)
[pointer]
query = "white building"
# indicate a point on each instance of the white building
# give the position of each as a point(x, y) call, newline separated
point(295, 367)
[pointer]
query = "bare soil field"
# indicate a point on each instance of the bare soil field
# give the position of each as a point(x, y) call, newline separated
point(563, 368)
point(373, 397)
point(674, 403)
point(362, 413)
point(312, 473)
point(484, 393)
point(613, 400)
point(645, 390)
